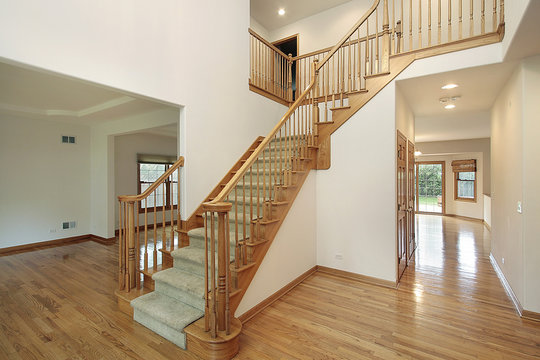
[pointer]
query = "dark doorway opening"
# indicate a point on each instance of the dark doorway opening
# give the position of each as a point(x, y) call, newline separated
point(289, 45)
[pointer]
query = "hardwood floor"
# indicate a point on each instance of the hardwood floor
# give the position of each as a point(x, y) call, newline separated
point(58, 303)
point(450, 305)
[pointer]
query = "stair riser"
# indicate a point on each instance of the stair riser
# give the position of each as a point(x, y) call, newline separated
point(174, 336)
point(184, 296)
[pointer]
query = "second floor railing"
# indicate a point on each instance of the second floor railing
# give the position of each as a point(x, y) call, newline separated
point(411, 25)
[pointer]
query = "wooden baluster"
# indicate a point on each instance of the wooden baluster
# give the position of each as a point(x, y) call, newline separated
point(471, 19)
point(342, 76)
point(179, 217)
point(138, 249)
point(398, 43)
point(402, 43)
point(393, 31)
point(155, 239)
point(120, 246)
point(127, 281)
point(333, 82)
point(460, 28)
point(449, 20)
point(494, 20)
point(410, 26)
point(244, 226)
point(227, 277)
point(349, 89)
point(483, 17)
point(385, 40)
point(131, 246)
point(419, 24)
point(258, 190)
point(171, 199)
point(146, 235)
point(206, 290)
point(163, 232)
point(439, 23)
point(213, 312)
point(289, 79)
point(367, 60)
point(251, 203)
point(376, 59)
point(236, 239)
point(501, 12)
point(429, 22)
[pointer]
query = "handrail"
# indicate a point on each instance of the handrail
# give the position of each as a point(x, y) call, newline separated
point(159, 181)
point(265, 42)
point(349, 34)
point(223, 194)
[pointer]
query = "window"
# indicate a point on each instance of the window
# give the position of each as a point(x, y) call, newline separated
point(166, 193)
point(464, 180)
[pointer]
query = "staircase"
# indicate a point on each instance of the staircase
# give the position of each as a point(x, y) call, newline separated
point(218, 249)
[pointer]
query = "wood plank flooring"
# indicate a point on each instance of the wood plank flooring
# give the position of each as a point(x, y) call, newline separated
point(58, 303)
point(450, 305)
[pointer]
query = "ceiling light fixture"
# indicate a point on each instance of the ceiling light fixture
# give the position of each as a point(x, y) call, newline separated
point(417, 153)
point(449, 106)
point(449, 86)
point(281, 12)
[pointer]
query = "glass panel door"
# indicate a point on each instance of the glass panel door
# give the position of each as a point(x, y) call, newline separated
point(430, 187)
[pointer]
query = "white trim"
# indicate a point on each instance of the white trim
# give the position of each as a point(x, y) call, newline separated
point(506, 285)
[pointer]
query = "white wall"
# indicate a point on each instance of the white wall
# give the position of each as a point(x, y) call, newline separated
point(44, 182)
point(324, 29)
point(404, 116)
point(531, 190)
point(356, 197)
point(258, 28)
point(507, 180)
point(126, 148)
point(487, 210)
point(151, 49)
point(462, 146)
point(293, 250)
point(458, 207)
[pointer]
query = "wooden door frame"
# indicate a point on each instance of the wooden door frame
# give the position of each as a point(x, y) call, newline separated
point(443, 163)
point(411, 227)
point(288, 38)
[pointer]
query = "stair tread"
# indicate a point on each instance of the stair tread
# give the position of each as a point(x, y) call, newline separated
point(169, 311)
point(181, 280)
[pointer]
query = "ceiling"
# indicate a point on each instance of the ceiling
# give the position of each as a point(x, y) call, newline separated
point(49, 96)
point(266, 11)
point(478, 89)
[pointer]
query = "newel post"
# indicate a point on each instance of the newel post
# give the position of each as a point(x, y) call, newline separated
point(217, 296)
point(385, 58)
point(315, 109)
point(133, 266)
point(289, 78)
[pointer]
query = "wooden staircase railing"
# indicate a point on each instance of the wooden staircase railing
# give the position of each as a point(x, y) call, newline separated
point(270, 69)
point(135, 227)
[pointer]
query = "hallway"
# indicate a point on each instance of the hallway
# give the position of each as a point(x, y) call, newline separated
point(450, 305)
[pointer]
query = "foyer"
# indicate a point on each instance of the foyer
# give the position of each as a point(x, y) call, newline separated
point(57, 303)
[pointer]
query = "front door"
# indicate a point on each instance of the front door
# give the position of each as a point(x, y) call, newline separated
point(401, 203)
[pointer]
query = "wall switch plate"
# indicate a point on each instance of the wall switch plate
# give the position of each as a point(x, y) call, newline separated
point(519, 210)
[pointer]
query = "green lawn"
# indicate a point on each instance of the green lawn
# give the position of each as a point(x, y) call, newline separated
point(427, 200)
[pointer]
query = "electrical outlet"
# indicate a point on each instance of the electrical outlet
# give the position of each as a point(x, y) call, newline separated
point(339, 256)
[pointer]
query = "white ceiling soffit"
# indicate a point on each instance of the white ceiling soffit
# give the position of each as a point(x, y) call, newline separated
point(266, 11)
point(478, 89)
point(170, 130)
point(472, 125)
point(47, 96)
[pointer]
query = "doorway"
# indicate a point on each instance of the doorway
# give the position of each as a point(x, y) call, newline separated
point(430, 187)
point(289, 45)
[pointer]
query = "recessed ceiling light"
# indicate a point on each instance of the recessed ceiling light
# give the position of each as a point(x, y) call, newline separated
point(449, 86)
point(450, 106)
point(281, 12)
point(417, 153)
